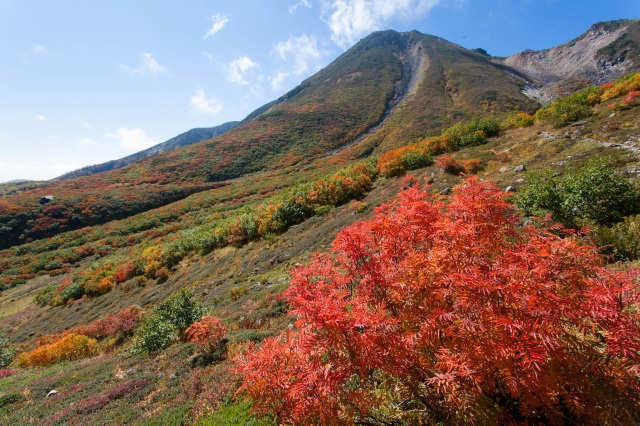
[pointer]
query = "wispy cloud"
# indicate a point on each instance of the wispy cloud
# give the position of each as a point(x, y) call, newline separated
point(218, 22)
point(305, 3)
point(41, 118)
point(208, 55)
point(146, 66)
point(301, 51)
point(90, 143)
point(200, 102)
point(133, 139)
point(35, 50)
point(239, 68)
point(349, 20)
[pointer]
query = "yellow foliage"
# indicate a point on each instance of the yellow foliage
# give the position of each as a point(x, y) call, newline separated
point(69, 347)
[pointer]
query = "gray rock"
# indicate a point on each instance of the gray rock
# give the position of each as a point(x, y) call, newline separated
point(519, 180)
point(46, 199)
point(613, 114)
point(520, 168)
point(446, 191)
point(52, 392)
point(579, 123)
point(131, 371)
point(510, 189)
point(504, 169)
point(556, 174)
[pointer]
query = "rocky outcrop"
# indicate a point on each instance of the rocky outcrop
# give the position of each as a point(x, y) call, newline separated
point(606, 51)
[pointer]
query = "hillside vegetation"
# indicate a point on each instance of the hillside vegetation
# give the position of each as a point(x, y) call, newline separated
point(171, 306)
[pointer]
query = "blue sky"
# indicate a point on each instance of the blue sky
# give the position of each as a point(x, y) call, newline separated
point(83, 82)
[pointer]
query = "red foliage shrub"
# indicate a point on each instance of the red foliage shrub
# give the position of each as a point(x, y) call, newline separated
point(632, 98)
point(125, 272)
point(5, 372)
point(122, 322)
point(208, 334)
point(459, 310)
point(449, 164)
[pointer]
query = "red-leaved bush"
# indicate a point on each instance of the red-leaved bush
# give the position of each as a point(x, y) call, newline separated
point(208, 334)
point(454, 314)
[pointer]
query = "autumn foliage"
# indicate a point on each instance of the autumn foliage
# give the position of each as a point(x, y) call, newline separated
point(453, 314)
point(209, 335)
point(66, 348)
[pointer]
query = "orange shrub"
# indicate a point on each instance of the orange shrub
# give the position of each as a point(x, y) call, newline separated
point(471, 166)
point(449, 164)
point(69, 347)
point(125, 272)
point(208, 334)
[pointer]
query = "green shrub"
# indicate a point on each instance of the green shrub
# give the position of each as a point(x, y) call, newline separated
point(570, 108)
point(416, 159)
point(517, 119)
point(620, 241)
point(322, 210)
point(237, 413)
point(153, 335)
point(8, 351)
point(167, 324)
point(46, 294)
point(11, 398)
point(592, 194)
point(74, 291)
point(236, 293)
point(472, 132)
point(181, 309)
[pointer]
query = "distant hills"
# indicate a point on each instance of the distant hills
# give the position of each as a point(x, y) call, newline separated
point(184, 139)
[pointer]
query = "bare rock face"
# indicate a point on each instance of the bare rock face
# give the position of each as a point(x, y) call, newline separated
point(605, 52)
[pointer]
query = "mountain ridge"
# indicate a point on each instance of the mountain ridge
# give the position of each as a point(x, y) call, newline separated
point(184, 139)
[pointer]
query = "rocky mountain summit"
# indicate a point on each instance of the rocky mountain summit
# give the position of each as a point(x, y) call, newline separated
point(606, 51)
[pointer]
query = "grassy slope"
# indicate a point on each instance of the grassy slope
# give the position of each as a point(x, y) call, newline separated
point(261, 267)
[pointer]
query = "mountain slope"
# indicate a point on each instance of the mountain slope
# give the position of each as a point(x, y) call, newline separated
point(603, 53)
point(184, 139)
point(389, 90)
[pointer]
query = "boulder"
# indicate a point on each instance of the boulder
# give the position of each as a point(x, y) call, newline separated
point(520, 168)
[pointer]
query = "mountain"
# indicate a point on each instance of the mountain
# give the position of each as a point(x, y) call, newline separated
point(389, 90)
point(418, 84)
point(603, 53)
point(184, 139)
point(220, 224)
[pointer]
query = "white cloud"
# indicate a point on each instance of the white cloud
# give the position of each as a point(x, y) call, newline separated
point(277, 81)
point(36, 50)
point(305, 3)
point(219, 22)
point(208, 55)
point(147, 66)
point(302, 49)
point(302, 52)
point(41, 118)
point(207, 105)
point(238, 69)
point(39, 49)
point(133, 139)
point(90, 143)
point(349, 20)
